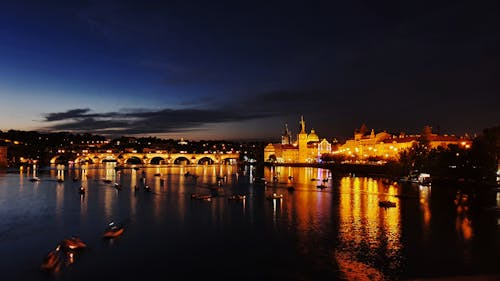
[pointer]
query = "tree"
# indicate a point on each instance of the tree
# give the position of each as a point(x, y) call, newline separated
point(417, 156)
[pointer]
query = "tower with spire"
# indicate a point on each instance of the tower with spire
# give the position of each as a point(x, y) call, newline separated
point(302, 141)
point(286, 138)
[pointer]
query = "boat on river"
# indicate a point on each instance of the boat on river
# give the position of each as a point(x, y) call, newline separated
point(113, 231)
point(73, 243)
point(52, 262)
point(35, 179)
point(387, 204)
point(237, 197)
point(274, 196)
point(202, 197)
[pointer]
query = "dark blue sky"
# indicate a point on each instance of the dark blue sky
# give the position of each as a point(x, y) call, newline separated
point(241, 69)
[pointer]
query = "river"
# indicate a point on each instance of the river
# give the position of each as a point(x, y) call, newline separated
point(333, 233)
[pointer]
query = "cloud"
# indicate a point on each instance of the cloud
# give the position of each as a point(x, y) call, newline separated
point(141, 121)
point(73, 113)
point(138, 121)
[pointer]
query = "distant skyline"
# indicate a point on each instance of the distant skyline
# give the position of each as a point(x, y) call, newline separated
point(241, 70)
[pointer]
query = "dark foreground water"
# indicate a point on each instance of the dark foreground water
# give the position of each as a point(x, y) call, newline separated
point(338, 233)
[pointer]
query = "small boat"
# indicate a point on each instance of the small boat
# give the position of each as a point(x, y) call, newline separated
point(113, 231)
point(52, 261)
point(136, 168)
point(157, 175)
point(237, 197)
point(59, 180)
point(106, 181)
point(75, 179)
point(290, 188)
point(147, 188)
point(81, 190)
point(203, 197)
point(322, 186)
point(275, 196)
point(325, 180)
point(35, 179)
point(387, 204)
point(73, 243)
point(187, 174)
point(118, 186)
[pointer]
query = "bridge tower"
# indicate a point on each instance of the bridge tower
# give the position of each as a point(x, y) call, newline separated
point(302, 141)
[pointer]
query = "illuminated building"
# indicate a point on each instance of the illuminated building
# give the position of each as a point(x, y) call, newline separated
point(306, 149)
point(386, 146)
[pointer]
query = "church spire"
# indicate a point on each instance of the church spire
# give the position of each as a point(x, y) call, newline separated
point(302, 125)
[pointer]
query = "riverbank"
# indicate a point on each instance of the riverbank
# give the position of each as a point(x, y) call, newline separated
point(388, 170)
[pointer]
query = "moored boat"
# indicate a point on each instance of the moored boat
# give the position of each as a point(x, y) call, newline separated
point(387, 204)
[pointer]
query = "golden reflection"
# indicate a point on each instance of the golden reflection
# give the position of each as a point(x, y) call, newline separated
point(306, 211)
point(350, 269)
point(84, 169)
point(466, 228)
point(83, 198)
point(60, 172)
point(363, 223)
point(110, 171)
point(463, 222)
point(59, 199)
point(134, 189)
point(424, 195)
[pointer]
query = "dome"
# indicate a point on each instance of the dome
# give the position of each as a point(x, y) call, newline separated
point(312, 136)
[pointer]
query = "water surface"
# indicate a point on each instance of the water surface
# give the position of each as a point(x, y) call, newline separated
point(335, 233)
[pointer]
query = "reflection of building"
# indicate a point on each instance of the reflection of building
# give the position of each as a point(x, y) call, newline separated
point(386, 146)
point(3, 156)
point(306, 149)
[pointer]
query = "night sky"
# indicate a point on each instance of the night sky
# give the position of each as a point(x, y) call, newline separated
point(241, 69)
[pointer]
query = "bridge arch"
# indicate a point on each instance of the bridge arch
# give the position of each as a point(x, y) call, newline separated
point(206, 161)
point(229, 160)
point(157, 160)
point(182, 161)
point(83, 160)
point(133, 160)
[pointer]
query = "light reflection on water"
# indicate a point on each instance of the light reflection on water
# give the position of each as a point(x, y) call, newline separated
point(338, 232)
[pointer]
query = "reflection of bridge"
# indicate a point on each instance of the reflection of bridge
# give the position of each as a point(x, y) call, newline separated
point(152, 158)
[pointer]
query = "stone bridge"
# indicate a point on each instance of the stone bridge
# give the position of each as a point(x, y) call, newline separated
point(152, 158)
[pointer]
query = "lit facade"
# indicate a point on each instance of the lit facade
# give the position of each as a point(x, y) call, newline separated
point(306, 149)
point(386, 146)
